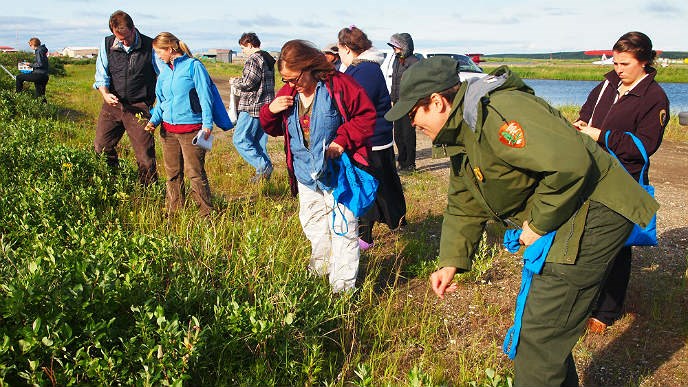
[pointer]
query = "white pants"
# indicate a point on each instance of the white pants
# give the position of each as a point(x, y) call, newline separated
point(330, 253)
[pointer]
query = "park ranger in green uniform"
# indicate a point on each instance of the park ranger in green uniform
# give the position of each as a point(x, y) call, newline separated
point(517, 160)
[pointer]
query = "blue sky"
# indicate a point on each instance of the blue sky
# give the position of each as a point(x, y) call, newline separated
point(532, 26)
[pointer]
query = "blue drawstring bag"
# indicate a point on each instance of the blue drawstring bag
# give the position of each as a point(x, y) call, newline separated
point(639, 236)
point(534, 258)
point(356, 189)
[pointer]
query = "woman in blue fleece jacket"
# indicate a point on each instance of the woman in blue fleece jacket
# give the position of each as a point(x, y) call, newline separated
point(184, 102)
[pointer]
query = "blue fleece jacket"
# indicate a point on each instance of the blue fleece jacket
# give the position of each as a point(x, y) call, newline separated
point(369, 75)
point(183, 94)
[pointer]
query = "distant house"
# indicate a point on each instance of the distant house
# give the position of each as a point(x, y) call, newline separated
point(7, 49)
point(80, 52)
point(241, 57)
point(219, 55)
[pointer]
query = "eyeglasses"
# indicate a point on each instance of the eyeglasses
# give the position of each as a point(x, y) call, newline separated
point(293, 81)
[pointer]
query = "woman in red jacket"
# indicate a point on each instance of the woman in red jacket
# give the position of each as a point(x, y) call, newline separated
point(629, 100)
point(321, 113)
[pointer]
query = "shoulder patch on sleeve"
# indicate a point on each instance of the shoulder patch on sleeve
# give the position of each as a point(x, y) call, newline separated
point(511, 134)
point(663, 118)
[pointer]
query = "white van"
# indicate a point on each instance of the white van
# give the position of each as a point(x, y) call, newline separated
point(467, 68)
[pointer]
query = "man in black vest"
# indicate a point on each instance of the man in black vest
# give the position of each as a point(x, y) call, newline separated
point(125, 76)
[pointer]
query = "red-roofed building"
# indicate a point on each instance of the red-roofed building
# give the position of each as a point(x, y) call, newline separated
point(7, 49)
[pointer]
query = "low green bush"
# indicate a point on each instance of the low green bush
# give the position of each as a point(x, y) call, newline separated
point(88, 295)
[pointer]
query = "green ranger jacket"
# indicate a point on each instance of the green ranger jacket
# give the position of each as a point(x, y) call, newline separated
point(516, 158)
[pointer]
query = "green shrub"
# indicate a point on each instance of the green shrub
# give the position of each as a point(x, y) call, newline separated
point(24, 106)
point(88, 296)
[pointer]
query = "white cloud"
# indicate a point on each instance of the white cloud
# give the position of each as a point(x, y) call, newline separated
point(500, 27)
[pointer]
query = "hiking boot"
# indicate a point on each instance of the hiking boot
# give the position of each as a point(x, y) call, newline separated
point(596, 326)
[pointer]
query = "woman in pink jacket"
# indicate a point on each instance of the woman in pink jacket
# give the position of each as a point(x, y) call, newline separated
point(321, 113)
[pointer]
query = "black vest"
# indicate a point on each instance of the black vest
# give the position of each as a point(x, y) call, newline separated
point(132, 76)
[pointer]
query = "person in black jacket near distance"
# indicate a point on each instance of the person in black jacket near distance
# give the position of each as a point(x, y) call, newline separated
point(39, 76)
point(628, 100)
point(404, 132)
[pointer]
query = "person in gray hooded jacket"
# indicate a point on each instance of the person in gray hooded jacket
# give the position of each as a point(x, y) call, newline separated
point(404, 132)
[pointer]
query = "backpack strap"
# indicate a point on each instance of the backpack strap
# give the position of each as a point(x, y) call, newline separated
point(191, 67)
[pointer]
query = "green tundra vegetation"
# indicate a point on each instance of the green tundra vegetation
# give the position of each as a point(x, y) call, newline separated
point(98, 287)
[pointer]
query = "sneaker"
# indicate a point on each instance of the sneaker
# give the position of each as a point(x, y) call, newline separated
point(262, 176)
point(363, 245)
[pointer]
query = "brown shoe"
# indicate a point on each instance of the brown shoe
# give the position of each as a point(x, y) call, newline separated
point(596, 326)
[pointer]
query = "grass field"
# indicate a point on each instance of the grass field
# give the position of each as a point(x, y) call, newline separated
point(579, 71)
point(98, 287)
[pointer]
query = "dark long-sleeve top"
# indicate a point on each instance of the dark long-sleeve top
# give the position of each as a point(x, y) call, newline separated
point(643, 111)
point(41, 63)
point(369, 75)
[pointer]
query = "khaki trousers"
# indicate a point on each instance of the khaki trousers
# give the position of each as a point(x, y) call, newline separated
point(331, 254)
point(184, 159)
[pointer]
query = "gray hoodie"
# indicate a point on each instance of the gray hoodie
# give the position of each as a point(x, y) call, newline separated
point(402, 61)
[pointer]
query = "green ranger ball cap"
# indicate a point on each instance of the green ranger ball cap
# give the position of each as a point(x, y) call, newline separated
point(428, 76)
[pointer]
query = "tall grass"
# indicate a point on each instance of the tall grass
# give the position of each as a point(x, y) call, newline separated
point(567, 71)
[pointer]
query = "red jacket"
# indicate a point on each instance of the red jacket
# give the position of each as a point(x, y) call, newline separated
point(353, 104)
point(644, 111)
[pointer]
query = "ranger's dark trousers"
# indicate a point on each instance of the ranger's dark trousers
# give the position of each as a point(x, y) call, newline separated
point(561, 299)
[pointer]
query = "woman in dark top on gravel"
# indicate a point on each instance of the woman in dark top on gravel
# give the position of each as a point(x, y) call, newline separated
point(628, 100)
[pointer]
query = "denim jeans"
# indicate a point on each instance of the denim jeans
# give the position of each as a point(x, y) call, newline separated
point(251, 142)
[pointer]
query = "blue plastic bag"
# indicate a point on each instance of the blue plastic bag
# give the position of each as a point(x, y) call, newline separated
point(640, 236)
point(356, 189)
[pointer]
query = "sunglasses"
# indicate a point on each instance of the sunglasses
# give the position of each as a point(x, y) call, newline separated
point(425, 101)
point(293, 81)
point(412, 113)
